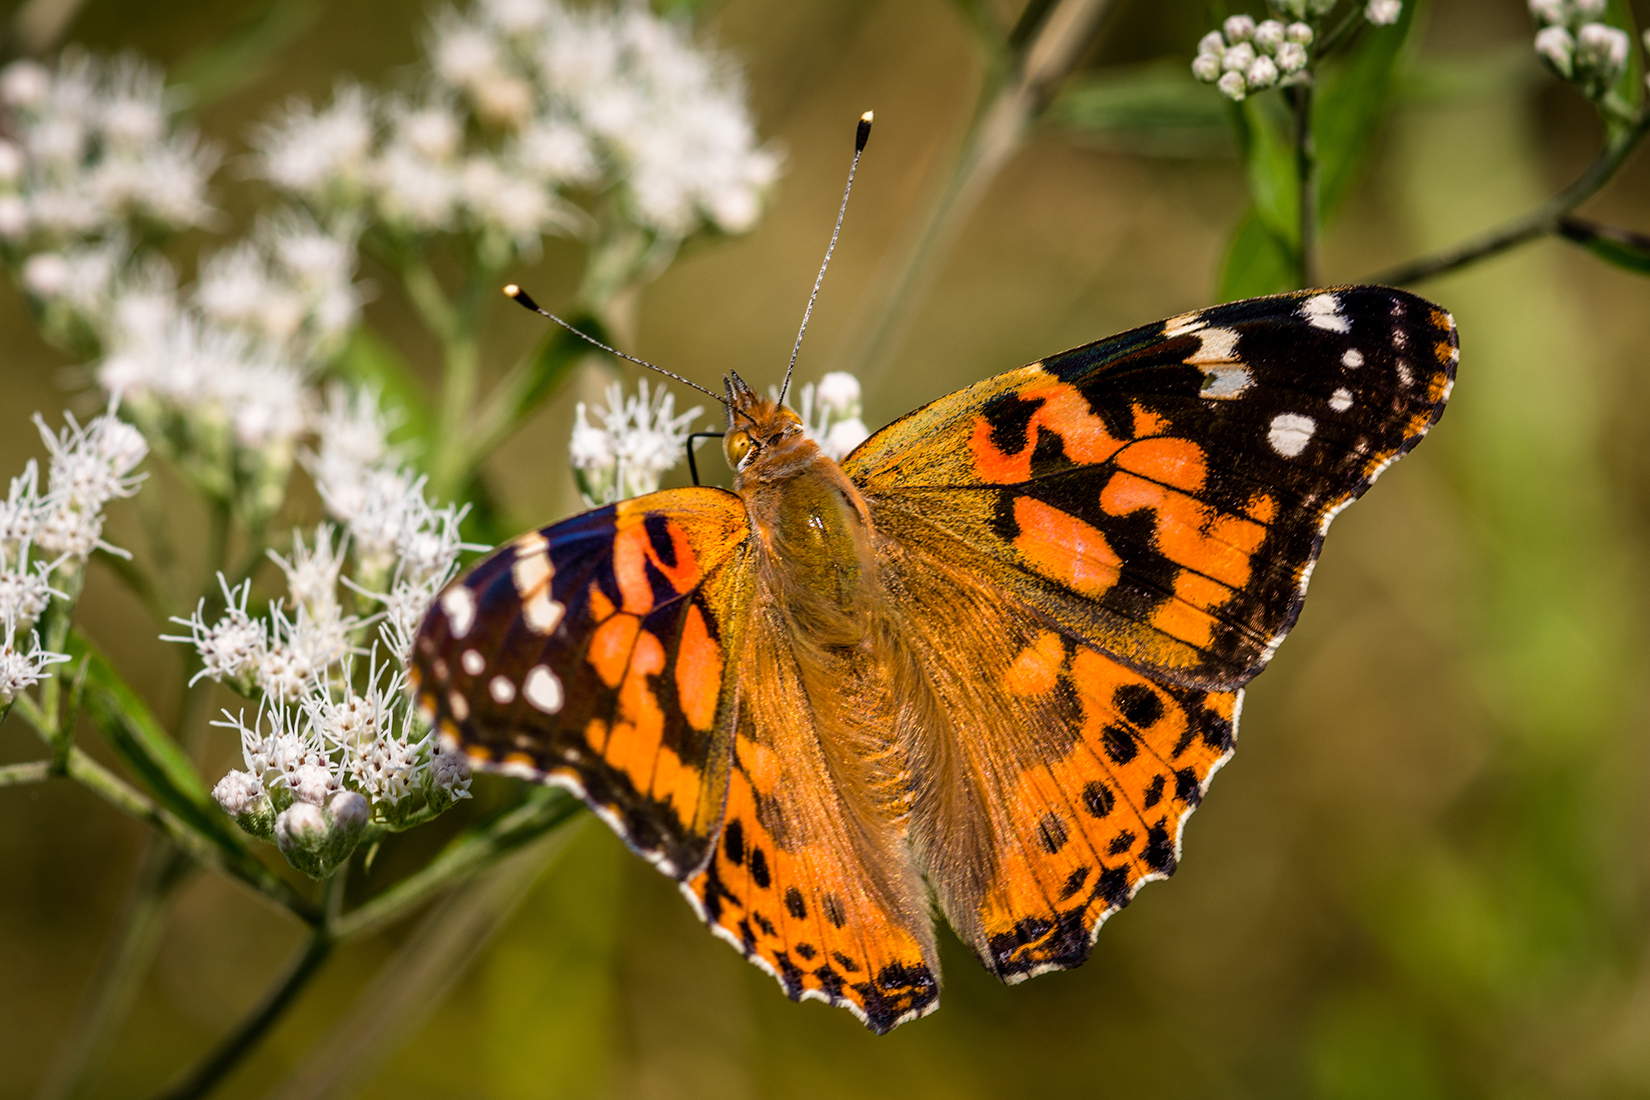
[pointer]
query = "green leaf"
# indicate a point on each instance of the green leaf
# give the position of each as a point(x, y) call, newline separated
point(1157, 108)
point(1269, 158)
point(1623, 248)
point(247, 53)
point(1256, 263)
point(369, 360)
point(1351, 98)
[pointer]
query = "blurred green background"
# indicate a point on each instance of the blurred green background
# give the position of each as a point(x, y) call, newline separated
point(1424, 873)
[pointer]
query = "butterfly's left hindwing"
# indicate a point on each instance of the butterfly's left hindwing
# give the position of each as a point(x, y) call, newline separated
point(594, 654)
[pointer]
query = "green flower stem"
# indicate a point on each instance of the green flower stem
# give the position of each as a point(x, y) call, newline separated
point(1041, 53)
point(33, 771)
point(1306, 176)
point(465, 857)
point(229, 1052)
point(1543, 220)
point(122, 796)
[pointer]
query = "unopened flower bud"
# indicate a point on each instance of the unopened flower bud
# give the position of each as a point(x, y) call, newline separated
point(1293, 9)
point(242, 797)
point(1238, 28)
point(1590, 9)
point(349, 812)
point(1291, 57)
point(1320, 7)
point(1383, 13)
point(1212, 43)
point(1299, 33)
point(1268, 35)
point(1557, 49)
point(1602, 49)
point(1238, 58)
point(301, 826)
point(1550, 11)
point(1262, 74)
point(839, 392)
point(1232, 86)
point(1206, 67)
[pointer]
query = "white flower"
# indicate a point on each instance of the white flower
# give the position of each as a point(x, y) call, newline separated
point(312, 573)
point(20, 670)
point(321, 156)
point(642, 437)
point(231, 648)
point(449, 772)
point(21, 511)
point(90, 466)
point(1383, 12)
point(300, 651)
point(830, 413)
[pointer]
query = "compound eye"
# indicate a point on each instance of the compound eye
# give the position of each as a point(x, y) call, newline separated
point(737, 446)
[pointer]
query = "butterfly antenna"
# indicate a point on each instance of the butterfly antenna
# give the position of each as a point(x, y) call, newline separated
point(520, 297)
point(861, 136)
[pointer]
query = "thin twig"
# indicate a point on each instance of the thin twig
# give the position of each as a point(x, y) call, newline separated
point(33, 771)
point(461, 860)
point(1539, 222)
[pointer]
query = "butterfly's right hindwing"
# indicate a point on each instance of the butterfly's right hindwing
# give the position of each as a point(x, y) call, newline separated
point(594, 654)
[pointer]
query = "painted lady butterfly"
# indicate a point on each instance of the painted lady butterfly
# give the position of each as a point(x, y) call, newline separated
point(992, 659)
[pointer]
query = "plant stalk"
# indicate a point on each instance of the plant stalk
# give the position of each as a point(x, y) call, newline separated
point(1539, 222)
point(1306, 176)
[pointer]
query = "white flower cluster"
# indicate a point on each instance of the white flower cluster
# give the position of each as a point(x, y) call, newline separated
point(529, 99)
point(217, 376)
point(1244, 57)
point(90, 466)
point(831, 413)
point(640, 438)
point(322, 733)
point(1578, 45)
point(94, 147)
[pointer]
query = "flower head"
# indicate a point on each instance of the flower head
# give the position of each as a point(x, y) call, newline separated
point(640, 438)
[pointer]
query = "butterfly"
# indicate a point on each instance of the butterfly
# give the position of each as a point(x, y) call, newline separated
point(987, 664)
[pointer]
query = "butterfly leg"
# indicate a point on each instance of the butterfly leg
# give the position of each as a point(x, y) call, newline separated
point(693, 467)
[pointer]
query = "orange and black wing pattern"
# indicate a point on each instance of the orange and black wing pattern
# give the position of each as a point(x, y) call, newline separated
point(595, 654)
point(1093, 554)
point(1164, 493)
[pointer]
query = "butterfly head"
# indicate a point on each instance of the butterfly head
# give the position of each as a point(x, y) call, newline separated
point(757, 426)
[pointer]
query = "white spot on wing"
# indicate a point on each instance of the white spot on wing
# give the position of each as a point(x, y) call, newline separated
point(460, 605)
point(502, 690)
point(474, 663)
point(543, 690)
point(1223, 384)
point(1341, 400)
point(1324, 311)
point(1290, 433)
point(1353, 358)
point(1184, 323)
point(459, 705)
point(541, 612)
point(1400, 338)
point(1405, 378)
point(1219, 346)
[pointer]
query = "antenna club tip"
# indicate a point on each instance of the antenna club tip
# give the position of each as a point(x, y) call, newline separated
point(519, 296)
point(868, 116)
point(863, 134)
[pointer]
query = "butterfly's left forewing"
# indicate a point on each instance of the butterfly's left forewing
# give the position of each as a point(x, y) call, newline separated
point(594, 654)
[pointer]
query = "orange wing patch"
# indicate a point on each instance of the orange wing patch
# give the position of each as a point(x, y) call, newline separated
point(1093, 825)
point(801, 914)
